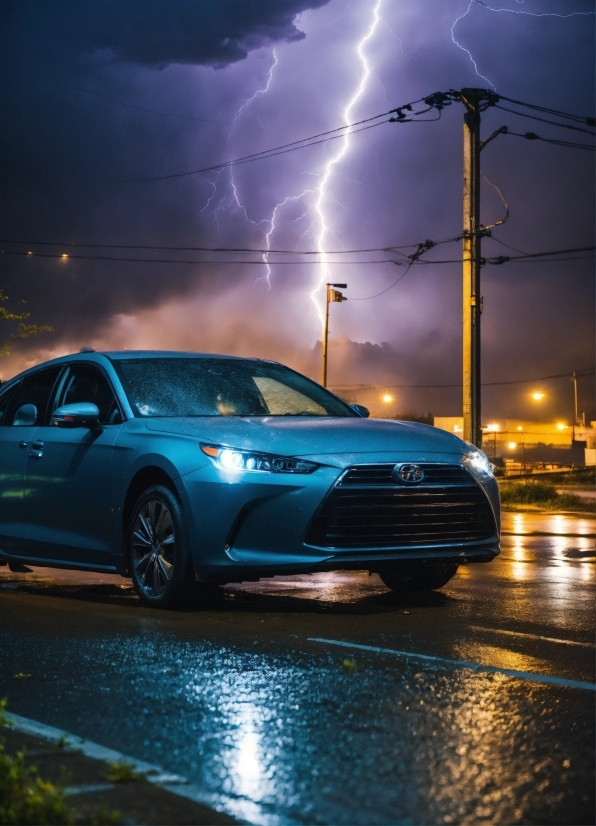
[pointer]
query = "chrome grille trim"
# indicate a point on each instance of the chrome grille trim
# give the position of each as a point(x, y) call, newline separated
point(367, 508)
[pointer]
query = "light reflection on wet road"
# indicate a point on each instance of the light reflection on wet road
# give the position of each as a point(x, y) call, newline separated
point(239, 700)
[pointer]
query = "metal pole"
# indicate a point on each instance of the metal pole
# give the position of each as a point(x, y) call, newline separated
point(472, 301)
point(575, 417)
point(325, 337)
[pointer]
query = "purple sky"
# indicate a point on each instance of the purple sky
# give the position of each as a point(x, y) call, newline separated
point(238, 78)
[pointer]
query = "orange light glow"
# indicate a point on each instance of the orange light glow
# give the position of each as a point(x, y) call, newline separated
point(387, 398)
point(512, 445)
point(537, 396)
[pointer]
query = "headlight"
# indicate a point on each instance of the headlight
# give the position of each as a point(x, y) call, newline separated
point(232, 459)
point(477, 462)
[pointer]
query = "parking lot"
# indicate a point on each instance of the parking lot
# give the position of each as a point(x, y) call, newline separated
point(327, 699)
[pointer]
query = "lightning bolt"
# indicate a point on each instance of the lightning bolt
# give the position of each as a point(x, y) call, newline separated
point(505, 11)
point(253, 97)
point(463, 48)
point(322, 189)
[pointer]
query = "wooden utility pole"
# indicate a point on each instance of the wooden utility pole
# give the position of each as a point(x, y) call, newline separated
point(472, 299)
point(332, 295)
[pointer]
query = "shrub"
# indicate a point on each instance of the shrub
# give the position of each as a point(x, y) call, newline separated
point(538, 493)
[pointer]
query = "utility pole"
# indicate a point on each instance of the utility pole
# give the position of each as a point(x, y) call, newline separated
point(472, 299)
point(332, 295)
point(475, 101)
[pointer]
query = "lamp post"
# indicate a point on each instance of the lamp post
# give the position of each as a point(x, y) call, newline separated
point(332, 295)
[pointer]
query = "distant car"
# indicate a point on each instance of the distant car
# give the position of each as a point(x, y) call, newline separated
point(184, 470)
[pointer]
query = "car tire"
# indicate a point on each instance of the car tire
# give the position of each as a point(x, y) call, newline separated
point(420, 578)
point(159, 551)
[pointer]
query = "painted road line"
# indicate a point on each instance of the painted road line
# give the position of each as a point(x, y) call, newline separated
point(491, 669)
point(549, 533)
point(243, 809)
point(70, 791)
point(530, 636)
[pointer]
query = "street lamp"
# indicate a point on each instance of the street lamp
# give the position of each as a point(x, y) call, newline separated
point(332, 295)
point(537, 395)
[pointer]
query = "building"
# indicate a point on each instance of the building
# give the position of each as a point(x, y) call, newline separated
point(532, 444)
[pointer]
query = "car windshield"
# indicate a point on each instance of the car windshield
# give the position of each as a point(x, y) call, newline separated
point(222, 387)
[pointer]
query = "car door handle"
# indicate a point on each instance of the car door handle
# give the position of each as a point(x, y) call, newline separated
point(36, 451)
point(23, 444)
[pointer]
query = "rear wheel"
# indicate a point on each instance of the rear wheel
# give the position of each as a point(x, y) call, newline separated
point(160, 560)
point(419, 578)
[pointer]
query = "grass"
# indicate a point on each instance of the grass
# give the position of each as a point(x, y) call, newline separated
point(122, 772)
point(28, 800)
point(540, 494)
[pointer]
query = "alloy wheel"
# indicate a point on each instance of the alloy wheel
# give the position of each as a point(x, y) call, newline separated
point(153, 548)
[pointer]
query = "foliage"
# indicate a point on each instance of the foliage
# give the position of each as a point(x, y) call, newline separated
point(122, 772)
point(23, 330)
point(543, 494)
point(27, 800)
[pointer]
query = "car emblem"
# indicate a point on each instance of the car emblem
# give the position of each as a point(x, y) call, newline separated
point(408, 473)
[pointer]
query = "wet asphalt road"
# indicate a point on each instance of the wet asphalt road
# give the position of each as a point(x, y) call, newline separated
point(241, 700)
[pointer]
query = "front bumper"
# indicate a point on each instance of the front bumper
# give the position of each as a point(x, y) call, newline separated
point(246, 525)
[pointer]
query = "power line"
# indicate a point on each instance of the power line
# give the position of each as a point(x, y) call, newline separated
point(313, 140)
point(588, 120)
point(497, 260)
point(544, 120)
point(261, 251)
point(532, 136)
point(590, 371)
point(67, 257)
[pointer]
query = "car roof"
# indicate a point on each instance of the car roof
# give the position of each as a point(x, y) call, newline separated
point(119, 355)
point(116, 355)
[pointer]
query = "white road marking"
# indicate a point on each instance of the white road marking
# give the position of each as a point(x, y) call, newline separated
point(531, 636)
point(508, 672)
point(70, 791)
point(245, 810)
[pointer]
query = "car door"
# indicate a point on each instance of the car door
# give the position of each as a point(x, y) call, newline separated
point(70, 502)
point(22, 406)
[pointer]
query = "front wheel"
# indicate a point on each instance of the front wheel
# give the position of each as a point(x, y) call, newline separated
point(420, 578)
point(160, 560)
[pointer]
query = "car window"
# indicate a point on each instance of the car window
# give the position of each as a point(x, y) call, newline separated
point(5, 397)
point(283, 400)
point(222, 387)
point(86, 383)
point(34, 389)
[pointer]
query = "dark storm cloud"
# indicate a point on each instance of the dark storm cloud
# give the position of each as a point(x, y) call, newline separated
point(60, 147)
point(153, 33)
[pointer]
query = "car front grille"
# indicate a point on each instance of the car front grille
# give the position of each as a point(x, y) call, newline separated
point(367, 509)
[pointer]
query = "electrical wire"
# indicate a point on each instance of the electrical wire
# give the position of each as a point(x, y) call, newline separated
point(395, 283)
point(67, 256)
point(284, 148)
point(414, 260)
point(589, 121)
point(589, 371)
point(544, 120)
point(73, 245)
point(532, 136)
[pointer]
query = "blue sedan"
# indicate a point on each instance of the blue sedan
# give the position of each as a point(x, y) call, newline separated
point(184, 471)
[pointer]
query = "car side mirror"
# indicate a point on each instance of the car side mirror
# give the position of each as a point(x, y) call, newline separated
point(81, 414)
point(26, 416)
point(361, 410)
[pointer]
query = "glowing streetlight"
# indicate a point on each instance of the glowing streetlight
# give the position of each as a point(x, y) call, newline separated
point(537, 396)
point(561, 426)
point(387, 398)
point(512, 445)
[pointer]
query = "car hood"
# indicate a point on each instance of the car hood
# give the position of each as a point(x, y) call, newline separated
point(313, 436)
